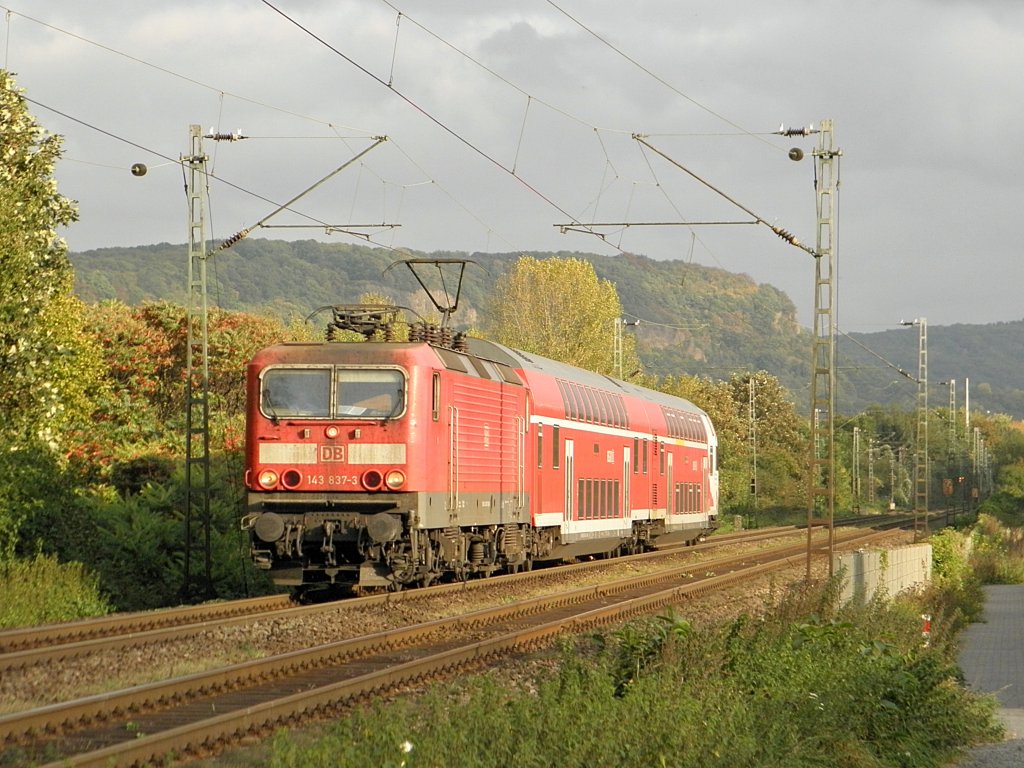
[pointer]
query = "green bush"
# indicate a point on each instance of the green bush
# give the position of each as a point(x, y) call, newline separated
point(40, 590)
point(998, 552)
point(955, 592)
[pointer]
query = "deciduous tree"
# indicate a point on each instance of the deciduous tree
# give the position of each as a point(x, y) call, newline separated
point(35, 274)
point(559, 308)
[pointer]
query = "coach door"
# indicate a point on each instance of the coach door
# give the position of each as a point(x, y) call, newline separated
point(569, 480)
point(627, 478)
point(670, 490)
point(705, 485)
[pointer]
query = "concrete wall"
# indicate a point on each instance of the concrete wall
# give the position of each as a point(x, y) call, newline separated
point(889, 570)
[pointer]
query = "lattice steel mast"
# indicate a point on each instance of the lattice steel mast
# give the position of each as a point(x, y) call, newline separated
point(197, 372)
point(921, 444)
point(822, 495)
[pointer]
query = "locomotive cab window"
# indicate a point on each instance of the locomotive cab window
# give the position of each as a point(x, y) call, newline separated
point(306, 392)
point(367, 393)
point(296, 392)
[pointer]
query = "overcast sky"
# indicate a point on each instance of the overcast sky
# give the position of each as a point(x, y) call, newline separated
point(506, 120)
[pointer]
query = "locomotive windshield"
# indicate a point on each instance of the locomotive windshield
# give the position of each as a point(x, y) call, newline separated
point(340, 393)
point(369, 393)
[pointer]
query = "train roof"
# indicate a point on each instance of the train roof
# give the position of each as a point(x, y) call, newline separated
point(531, 363)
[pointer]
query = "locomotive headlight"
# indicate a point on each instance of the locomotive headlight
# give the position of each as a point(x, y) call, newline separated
point(394, 479)
point(332, 431)
point(267, 478)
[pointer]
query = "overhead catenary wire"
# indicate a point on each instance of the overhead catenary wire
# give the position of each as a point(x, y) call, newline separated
point(287, 206)
point(644, 321)
point(210, 174)
point(177, 161)
point(492, 72)
point(888, 364)
point(256, 102)
point(530, 99)
point(782, 233)
point(652, 74)
point(422, 110)
point(589, 227)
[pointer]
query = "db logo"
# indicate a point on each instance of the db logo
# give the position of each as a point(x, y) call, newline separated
point(332, 453)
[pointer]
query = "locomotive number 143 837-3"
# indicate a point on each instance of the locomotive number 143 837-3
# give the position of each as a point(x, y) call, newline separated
point(335, 481)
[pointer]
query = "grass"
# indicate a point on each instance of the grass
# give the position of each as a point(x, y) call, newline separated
point(40, 590)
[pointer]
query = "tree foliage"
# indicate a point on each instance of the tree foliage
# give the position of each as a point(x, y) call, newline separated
point(48, 371)
point(560, 309)
point(778, 443)
point(35, 274)
point(142, 348)
point(49, 375)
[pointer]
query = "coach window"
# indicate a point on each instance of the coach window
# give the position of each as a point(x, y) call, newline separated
point(595, 404)
point(620, 406)
point(636, 452)
point(645, 456)
point(369, 393)
point(574, 405)
point(540, 445)
point(296, 392)
point(570, 401)
point(588, 404)
point(554, 448)
point(575, 391)
point(602, 409)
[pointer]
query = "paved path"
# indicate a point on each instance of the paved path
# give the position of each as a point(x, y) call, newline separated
point(992, 654)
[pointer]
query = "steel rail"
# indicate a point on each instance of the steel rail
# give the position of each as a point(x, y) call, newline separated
point(63, 633)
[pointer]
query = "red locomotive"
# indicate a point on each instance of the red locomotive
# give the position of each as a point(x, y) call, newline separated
point(386, 464)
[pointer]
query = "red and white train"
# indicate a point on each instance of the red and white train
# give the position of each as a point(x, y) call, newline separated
point(386, 464)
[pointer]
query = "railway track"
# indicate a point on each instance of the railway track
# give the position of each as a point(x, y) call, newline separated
point(189, 715)
point(72, 632)
point(57, 643)
point(53, 644)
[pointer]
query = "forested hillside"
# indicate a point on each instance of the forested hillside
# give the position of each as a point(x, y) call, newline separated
point(990, 356)
point(694, 319)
